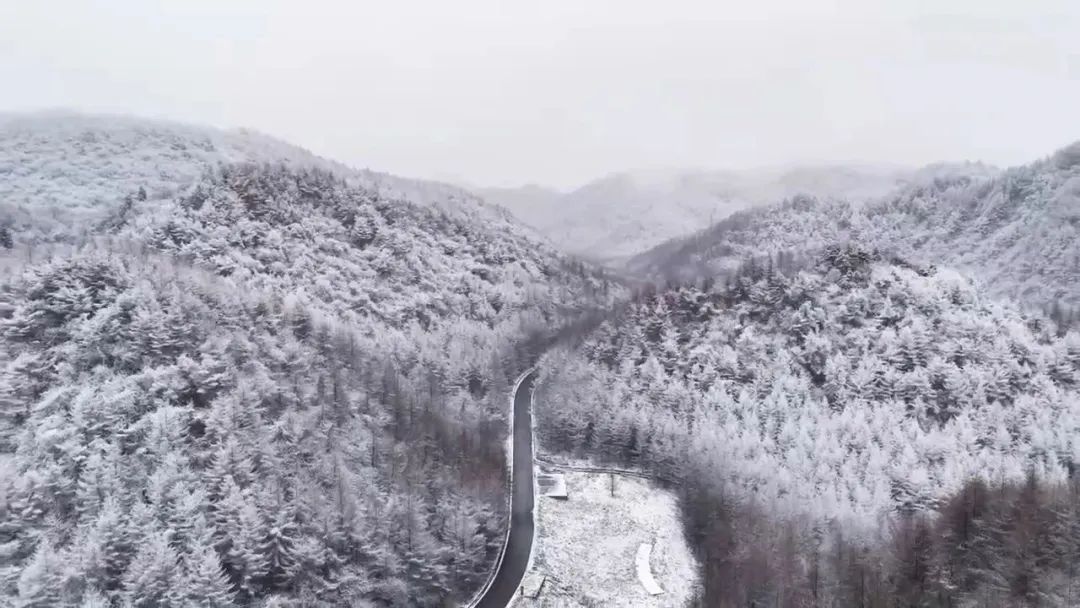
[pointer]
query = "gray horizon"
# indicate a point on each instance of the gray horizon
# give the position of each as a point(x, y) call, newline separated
point(492, 95)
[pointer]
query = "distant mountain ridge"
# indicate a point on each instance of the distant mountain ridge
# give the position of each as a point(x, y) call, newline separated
point(1017, 230)
point(623, 214)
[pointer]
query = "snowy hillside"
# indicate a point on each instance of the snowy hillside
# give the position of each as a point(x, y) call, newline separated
point(860, 407)
point(269, 384)
point(1016, 230)
point(60, 171)
point(859, 387)
point(624, 214)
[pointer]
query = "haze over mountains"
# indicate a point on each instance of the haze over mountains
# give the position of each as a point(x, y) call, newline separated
point(623, 214)
point(1018, 230)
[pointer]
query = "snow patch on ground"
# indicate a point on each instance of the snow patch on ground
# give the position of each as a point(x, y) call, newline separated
point(587, 545)
point(644, 571)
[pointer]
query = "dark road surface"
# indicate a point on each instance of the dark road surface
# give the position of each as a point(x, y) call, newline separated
point(516, 558)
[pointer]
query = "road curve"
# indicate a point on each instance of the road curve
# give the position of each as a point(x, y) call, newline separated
point(519, 544)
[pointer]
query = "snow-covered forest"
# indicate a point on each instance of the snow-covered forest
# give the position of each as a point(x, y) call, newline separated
point(235, 373)
point(590, 304)
point(270, 383)
point(845, 398)
point(857, 386)
point(62, 171)
point(1017, 231)
point(862, 404)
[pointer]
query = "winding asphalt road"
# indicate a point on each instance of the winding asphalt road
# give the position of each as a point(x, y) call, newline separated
point(516, 557)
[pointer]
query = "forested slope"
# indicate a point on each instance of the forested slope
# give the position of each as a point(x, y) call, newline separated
point(1018, 231)
point(856, 387)
point(60, 172)
point(274, 384)
point(812, 411)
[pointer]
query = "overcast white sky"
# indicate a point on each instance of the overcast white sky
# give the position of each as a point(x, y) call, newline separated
point(560, 92)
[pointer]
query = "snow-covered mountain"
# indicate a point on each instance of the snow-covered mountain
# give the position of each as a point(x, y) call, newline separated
point(861, 400)
point(234, 373)
point(1017, 230)
point(60, 171)
point(624, 214)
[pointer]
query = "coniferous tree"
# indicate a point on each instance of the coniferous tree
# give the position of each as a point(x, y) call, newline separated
point(206, 585)
point(41, 583)
point(152, 577)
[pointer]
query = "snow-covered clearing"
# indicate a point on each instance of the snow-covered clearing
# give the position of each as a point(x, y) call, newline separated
point(587, 545)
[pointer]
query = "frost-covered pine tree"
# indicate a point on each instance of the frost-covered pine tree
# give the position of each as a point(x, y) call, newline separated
point(153, 577)
point(205, 583)
point(41, 582)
